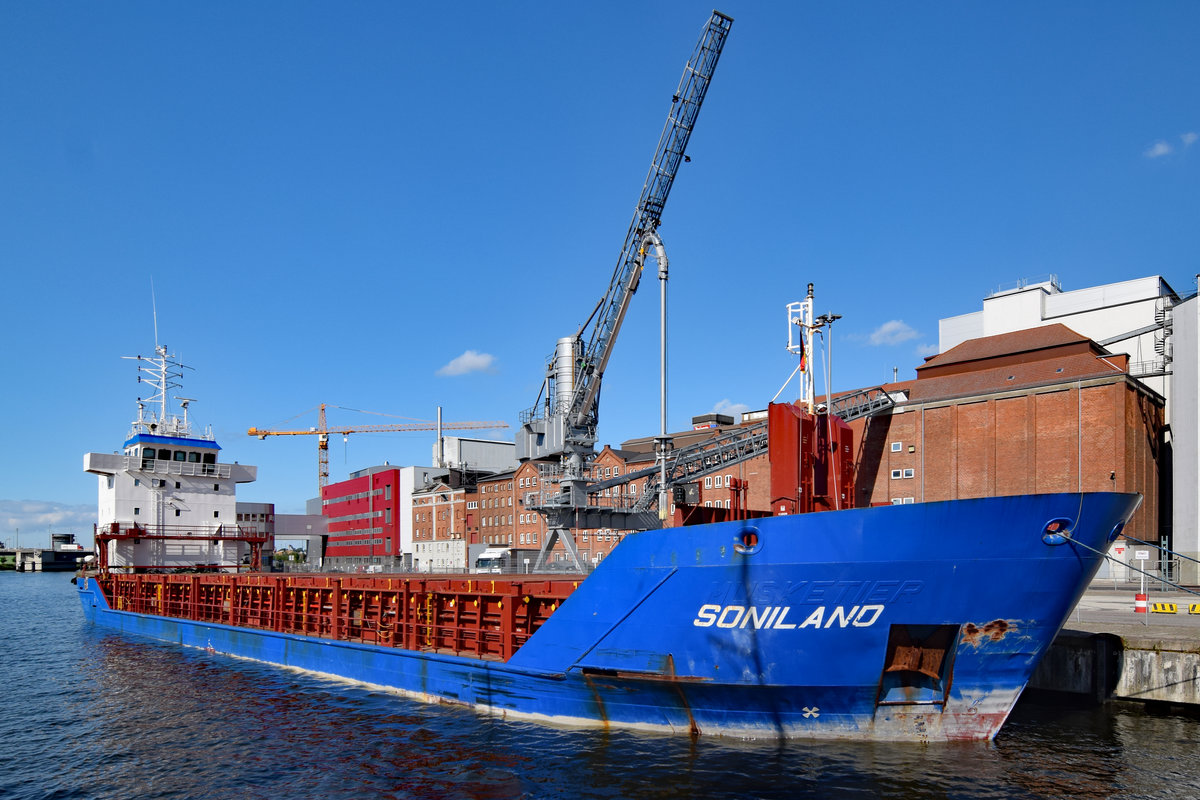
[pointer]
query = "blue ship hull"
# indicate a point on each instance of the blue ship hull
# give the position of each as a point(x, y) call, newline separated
point(917, 622)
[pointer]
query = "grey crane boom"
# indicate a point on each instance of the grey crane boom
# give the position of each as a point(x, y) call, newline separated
point(562, 424)
point(564, 420)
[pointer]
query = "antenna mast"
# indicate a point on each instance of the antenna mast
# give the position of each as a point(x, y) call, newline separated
point(162, 372)
point(800, 331)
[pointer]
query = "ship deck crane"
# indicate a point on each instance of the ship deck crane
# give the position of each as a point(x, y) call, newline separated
point(322, 432)
point(562, 423)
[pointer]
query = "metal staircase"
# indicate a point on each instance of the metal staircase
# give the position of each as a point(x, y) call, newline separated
point(862, 403)
point(638, 512)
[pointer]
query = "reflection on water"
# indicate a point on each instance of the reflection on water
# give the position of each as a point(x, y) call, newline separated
point(93, 714)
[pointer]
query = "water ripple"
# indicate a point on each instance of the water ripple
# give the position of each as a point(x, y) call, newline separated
point(94, 714)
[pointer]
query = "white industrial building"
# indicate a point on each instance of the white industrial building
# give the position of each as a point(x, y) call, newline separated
point(1184, 417)
point(477, 455)
point(1131, 317)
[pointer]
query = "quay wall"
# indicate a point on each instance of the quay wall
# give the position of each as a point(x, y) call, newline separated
point(1116, 666)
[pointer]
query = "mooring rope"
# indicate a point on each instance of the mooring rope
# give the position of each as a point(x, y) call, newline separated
point(1158, 578)
point(1160, 547)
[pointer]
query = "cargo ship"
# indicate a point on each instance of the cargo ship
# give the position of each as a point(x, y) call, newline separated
point(909, 622)
point(807, 618)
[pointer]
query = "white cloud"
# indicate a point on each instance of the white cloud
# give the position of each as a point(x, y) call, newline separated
point(926, 350)
point(469, 361)
point(36, 519)
point(1189, 138)
point(734, 410)
point(892, 332)
point(1158, 150)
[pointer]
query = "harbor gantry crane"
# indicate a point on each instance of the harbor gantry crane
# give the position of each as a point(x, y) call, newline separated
point(562, 423)
point(322, 432)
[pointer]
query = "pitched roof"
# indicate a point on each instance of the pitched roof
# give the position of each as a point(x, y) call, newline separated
point(1044, 356)
point(1047, 341)
point(1065, 368)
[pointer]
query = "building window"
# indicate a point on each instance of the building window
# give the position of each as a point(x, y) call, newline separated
point(908, 473)
point(177, 512)
point(216, 487)
point(136, 511)
point(216, 515)
point(728, 481)
point(896, 447)
point(718, 482)
point(896, 474)
point(708, 482)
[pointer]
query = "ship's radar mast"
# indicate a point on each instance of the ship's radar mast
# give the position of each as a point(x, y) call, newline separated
point(162, 372)
point(800, 335)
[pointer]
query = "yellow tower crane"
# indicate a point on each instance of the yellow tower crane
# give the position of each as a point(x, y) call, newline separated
point(322, 432)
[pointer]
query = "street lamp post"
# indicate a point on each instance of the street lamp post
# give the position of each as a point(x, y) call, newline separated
point(826, 321)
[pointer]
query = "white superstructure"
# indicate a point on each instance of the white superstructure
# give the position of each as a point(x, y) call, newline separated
point(166, 500)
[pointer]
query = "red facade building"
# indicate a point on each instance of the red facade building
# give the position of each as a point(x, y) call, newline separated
point(362, 520)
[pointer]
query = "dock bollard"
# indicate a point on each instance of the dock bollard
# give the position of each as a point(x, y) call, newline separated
point(1139, 603)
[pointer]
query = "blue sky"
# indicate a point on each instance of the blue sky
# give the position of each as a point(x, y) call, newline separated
point(396, 206)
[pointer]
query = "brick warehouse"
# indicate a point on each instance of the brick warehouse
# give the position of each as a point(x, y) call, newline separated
point(1038, 410)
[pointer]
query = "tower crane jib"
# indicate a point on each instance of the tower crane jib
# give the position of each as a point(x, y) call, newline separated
point(323, 430)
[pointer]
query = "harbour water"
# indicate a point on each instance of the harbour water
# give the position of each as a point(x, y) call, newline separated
point(89, 713)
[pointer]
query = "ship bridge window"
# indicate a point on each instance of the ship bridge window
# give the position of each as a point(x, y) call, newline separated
point(210, 458)
point(148, 452)
point(180, 455)
point(165, 455)
point(193, 458)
